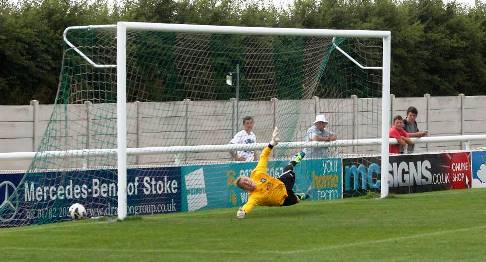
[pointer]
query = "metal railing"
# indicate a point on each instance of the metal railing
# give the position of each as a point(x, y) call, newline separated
point(230, 147)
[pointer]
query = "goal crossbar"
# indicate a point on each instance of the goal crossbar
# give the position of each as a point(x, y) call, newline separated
point(186, 28)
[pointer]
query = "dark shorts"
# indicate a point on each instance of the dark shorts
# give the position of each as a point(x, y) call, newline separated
point(288, 178)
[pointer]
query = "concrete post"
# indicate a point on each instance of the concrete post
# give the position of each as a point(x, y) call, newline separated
point(355, 120)
point(187, 102)
point(87, 104)
point(392, 108)
point(233, 117)
point(463, 144)
point(274, 112)
point(316, 105)
point(274, 101)
point(427, 117)
point(138, 130)
point(35, 123)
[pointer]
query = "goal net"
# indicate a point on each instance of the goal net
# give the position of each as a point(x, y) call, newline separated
point(187, 92)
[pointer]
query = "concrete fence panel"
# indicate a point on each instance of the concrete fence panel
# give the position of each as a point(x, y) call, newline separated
point(215, 122)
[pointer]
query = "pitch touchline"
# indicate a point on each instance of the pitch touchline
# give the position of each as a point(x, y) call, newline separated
point(202, 251)
point(14, 230)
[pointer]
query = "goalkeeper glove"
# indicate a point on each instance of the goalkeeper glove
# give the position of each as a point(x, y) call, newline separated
point(275, 138)
point(240, 213)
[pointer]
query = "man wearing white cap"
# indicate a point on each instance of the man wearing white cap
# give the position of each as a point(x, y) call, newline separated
point(318, 132)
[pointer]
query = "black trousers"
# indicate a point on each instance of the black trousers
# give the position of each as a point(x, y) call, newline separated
point(288, 178)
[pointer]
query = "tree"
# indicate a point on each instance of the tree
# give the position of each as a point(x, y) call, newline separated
point(437, 48)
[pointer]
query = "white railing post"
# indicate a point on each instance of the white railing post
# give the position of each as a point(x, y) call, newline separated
point(121, 118)
point(385, 114)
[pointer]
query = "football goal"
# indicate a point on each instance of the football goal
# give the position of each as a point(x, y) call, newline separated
point(136, 100)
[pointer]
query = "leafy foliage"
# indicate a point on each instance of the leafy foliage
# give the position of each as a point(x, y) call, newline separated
point(437, 48)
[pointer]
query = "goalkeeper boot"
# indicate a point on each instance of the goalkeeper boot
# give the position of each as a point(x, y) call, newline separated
point(302, 196)
point(297, 158)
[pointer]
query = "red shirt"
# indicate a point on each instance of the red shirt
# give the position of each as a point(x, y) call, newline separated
point(395, 133)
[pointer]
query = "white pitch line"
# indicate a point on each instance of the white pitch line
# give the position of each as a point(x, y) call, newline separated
point(203, 251)
point(62, 224)
point(112, 250)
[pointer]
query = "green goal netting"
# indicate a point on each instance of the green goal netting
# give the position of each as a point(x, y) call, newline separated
point(190, 89)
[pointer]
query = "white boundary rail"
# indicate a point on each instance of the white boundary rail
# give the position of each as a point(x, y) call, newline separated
point(229, 147)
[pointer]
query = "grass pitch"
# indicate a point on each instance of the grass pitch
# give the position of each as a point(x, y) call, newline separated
point(439, 226)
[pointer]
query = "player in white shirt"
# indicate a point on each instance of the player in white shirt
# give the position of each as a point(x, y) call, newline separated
point(245, 136)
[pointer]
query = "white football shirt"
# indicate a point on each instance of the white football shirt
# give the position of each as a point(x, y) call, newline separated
point(243, 137)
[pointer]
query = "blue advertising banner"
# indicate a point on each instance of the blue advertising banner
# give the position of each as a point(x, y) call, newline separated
point(9, 199)
point(212, 186)
point(37, 198)
point(361, 175)
point(478, 164)
point(45, 197)
point(154, 190)
point(322, 178)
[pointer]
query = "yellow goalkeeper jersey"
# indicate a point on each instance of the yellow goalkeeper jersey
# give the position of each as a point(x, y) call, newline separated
point(269, 191)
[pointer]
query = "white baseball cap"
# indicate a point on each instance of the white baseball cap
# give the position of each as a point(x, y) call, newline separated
point(321, 118)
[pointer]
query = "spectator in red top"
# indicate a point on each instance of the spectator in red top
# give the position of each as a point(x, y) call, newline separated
point(400, 134)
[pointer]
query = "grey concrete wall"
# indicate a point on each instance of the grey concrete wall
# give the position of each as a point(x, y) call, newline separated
point(209, 122)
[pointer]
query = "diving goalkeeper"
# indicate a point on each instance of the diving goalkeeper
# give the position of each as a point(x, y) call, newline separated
point(265, 190)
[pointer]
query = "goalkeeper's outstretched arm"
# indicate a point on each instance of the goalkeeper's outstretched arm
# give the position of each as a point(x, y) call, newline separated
point(263, 162)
